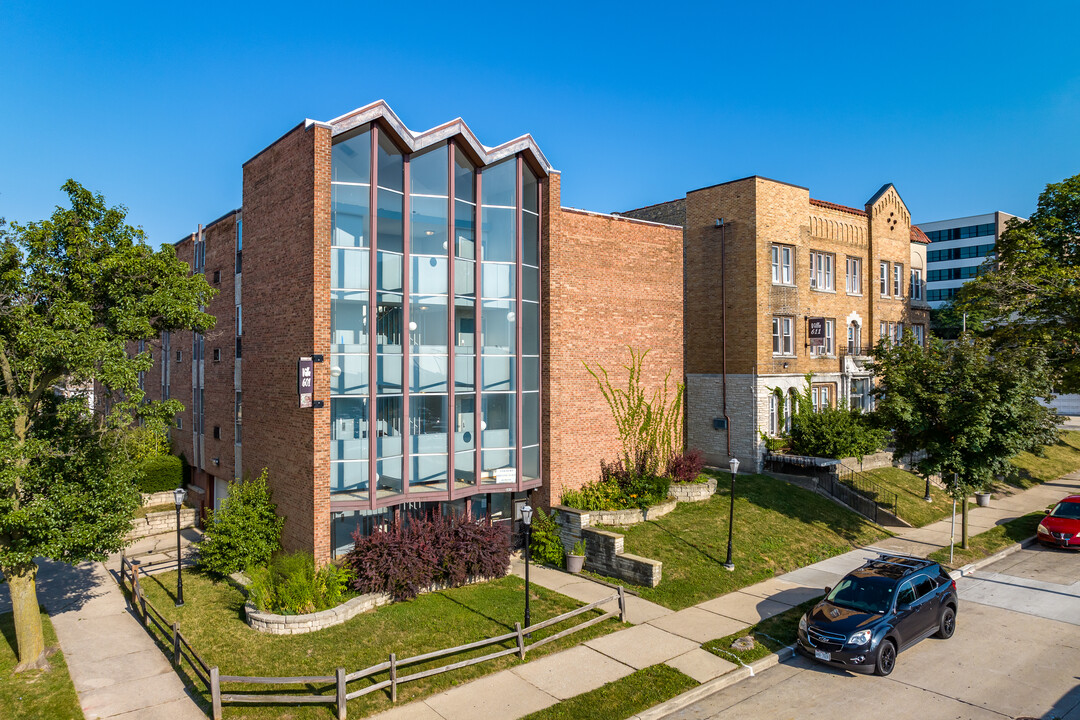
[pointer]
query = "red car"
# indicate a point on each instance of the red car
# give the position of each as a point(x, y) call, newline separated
point(1061, 527)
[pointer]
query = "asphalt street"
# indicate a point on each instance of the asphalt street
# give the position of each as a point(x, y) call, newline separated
point(1016, 653)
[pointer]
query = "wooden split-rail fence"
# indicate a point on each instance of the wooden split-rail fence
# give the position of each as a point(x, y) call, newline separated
point(213, 680)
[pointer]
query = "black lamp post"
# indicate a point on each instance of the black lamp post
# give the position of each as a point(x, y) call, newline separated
point(526, 519)
point(180, 494)
point(734, 463)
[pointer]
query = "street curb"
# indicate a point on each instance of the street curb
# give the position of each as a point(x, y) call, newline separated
point(715, 685)
point(972, 567)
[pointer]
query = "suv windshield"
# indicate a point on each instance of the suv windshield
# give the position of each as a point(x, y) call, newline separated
point(1069, 510)
point(866, 594)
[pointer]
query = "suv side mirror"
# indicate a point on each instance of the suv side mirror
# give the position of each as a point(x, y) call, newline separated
point(828, 589)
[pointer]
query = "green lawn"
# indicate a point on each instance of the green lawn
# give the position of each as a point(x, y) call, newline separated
point(769, 635)
point(35, 694)
point(1059, 459)
point(212, 621)
point(621, 699)
point(910, 490)
point(993, 540)
point(778, 527)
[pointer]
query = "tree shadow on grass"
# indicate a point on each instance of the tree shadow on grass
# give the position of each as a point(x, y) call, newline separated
point(685, 542)
point(803, 505)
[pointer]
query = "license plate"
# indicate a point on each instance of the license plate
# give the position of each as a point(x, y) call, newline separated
point(822, 655)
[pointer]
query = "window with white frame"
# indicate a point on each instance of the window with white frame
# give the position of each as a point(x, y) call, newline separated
point(829, 348)
point(859, 397)
point(854, 339)
point(920, 334)
point(883, 333)
point(898, 280)
point(898, 333)
point(821, 271)
point(781, 264)
point(854, 276)
point(916, 284)
point(819, 395)
point(883, 276)
point(774, 415)
point(783, 335)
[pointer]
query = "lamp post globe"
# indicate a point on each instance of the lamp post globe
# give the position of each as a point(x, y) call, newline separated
point(179, 495)
point(733, 463)
point(526, 519)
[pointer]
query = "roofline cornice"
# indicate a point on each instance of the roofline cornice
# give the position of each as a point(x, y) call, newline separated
point(415, 141)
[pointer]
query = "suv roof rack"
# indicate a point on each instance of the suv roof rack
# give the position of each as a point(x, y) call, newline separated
point(911, 562)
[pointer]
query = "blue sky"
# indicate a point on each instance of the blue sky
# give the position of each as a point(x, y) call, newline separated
point(966, 107)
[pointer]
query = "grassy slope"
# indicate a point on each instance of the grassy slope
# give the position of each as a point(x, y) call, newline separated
point(35, 695)
point(212, 621)
point(910, 490)
point(622, 698)
point(1060, 459)
point(778, 527)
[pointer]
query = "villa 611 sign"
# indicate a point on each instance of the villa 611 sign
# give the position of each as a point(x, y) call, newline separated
point(816, 331)
point(305, 381)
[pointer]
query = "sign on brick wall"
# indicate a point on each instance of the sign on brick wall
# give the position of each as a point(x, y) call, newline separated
point(816, 332)
point(305, 381)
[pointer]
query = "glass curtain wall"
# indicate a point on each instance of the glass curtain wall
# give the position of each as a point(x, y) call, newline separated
point(405, 406)
point(498, 322)
point(350, 262)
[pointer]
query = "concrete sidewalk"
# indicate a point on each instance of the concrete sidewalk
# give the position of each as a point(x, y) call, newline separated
point(660, 635)
point(117, 669)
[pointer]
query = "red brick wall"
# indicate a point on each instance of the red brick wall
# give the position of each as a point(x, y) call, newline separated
point(608, 283)
point(286, 298)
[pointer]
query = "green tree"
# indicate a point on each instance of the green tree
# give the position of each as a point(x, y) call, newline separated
point(245, 531)
point(75, 290)
point(967, 411)
point(1029, 295)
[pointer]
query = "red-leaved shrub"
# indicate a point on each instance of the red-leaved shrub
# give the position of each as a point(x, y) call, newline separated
point(438, 550)
point(685, 467)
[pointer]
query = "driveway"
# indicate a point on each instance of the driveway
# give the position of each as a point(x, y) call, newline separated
point(1014, 655)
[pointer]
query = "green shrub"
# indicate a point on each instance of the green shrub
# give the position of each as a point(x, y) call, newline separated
point(544, 543)
point(835, 433)
point(245, 532)
point(579, 548)
point(290, 585)
point(620, 493)
point(160, 473)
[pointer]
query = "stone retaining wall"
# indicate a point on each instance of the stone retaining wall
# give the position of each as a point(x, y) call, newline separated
point(159, 498)
point(693, 492)
point(274, 624)
point(299, 624)
point(161, 522)
point(604, 555)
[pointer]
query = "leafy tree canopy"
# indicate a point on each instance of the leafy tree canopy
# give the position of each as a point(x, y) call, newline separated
point(1030, 297)
point(75, 290)
point(968, 411)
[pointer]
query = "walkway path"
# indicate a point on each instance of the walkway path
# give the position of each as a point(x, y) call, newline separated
point(117, 669)
point(660, 635)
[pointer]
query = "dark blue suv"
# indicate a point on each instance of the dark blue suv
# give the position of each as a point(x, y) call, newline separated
point(888, 604)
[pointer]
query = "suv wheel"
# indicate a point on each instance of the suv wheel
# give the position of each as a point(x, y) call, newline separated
point(886, 659)
point(947, 626)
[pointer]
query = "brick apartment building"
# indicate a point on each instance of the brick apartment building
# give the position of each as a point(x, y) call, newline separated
point(790, 262)
point(440, 304)
point(467, 389)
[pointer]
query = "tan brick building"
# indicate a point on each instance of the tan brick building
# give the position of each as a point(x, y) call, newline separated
point(790, 262)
